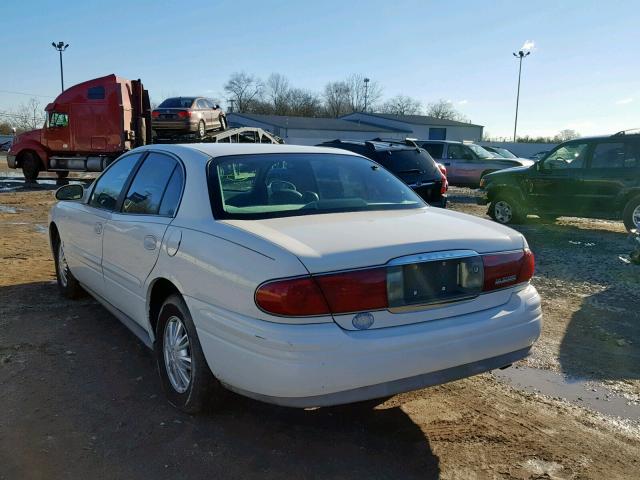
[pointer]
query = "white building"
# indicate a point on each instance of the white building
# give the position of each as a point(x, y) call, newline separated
point(420, 126)
point(311, 130)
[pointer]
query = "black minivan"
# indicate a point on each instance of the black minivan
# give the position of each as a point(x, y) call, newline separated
point(413, 165)
point(596, 177)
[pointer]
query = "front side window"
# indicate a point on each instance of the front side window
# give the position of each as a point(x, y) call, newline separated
point(614, 155)
point(149, 185)
point(455, 151)
point(202, 104)
point(571, 155)
point(58, 120)
point(95, 93)
point(278, 185)
point(109, 185)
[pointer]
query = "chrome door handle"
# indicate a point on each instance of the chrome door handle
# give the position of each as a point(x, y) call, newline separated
point(150, 242)
point(97, 228)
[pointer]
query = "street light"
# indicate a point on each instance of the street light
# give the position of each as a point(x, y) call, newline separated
point(366, 93)
point(60, 47)
point(521, 54)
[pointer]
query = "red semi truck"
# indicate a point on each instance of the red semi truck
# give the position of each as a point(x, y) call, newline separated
point(92, 123)
point(86, 127)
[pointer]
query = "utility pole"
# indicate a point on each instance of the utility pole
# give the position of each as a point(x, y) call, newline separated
point(521, 54)
point(366, 93)
point(60, 47)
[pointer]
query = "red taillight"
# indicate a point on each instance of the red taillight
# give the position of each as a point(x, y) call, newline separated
point(442, 168)
point(295, 297)
point(184, 113)
point(504, 270)
point(155, 114)
point(360, 290)
point(444, 186)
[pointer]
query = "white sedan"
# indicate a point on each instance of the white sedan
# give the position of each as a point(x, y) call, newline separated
point(300, 276)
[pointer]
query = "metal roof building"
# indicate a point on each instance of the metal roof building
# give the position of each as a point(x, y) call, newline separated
point(421, 127)
point(312, 130)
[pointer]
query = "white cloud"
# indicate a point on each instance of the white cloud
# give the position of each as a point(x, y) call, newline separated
point(624, 101)
point(463, 102)
point(528, 45)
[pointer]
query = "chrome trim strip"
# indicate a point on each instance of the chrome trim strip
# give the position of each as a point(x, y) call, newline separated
point(432, 256)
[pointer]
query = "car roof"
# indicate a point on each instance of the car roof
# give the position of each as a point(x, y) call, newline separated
point(378, 145)
point(212, 150)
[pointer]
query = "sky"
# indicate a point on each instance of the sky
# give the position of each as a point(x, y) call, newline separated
point(583, 72)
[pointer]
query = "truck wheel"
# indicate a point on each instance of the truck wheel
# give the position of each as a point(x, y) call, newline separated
point(186, 379)
point(202, 129)
point(504, 209)
point(631, 214)
point(67, 283)
point(31, 166)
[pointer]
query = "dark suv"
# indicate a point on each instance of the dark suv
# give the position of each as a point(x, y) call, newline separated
point(413, 165)
point(595, 177)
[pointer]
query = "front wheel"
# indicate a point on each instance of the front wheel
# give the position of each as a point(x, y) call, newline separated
point(31, 167)
point(223, 124)
point(67, 283)
point(504, 209)
point(202, 129)
point(185, 375)
point(631, 214)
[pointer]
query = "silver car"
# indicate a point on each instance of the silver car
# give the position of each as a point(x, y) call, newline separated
point(467, 163)
point(185, 115)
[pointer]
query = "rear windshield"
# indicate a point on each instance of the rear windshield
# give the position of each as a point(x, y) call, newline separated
point(178, 102)
point(279, 185)
point(413, 161)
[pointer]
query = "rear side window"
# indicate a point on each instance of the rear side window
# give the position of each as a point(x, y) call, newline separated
point(202, 104)
point(108, 187)
point(149, 185)
point(96, 93)
point(434, 149)
point(614, 155)
point(408, 161)
point(171, 198)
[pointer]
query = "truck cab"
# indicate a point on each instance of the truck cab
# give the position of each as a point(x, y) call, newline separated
point(86, 127)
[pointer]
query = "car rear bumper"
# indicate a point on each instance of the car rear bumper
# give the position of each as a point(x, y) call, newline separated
point(175, 125)
point(11, 161)
point(322, 364)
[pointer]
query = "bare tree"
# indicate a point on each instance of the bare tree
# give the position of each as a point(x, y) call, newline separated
point(304, 103)
point(29, 116)
point(277, 93)
point(244, 89)
point(444, 109)
point(401, 105)
point(566, 134)
point(359, 90)
point(336, 99)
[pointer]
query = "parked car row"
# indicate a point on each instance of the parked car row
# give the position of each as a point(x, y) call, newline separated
point(596, 177)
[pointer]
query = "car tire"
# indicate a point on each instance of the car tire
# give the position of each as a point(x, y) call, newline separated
point(631, 214)
point(223, 123)
point(31, 166)
point(185, 375)
point(505, 209)
point(202, 129)
point(67, 283)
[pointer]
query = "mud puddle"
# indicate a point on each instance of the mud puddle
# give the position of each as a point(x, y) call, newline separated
point(5, 209)
point(577, 391)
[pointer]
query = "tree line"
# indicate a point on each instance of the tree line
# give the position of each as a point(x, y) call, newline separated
point(248, 93)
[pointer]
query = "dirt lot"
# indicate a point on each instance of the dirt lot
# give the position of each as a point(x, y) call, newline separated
point(80, 397)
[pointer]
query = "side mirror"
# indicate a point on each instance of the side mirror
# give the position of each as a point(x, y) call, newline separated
point(70, 192)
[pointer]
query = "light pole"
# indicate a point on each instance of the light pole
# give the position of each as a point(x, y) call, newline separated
point(521, 54)
point(60, 47)
point(366, 93)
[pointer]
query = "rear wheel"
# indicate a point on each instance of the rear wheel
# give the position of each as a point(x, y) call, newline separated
point(31, 166)
point(631, 214)
point(505, 209)
point(185, 375)
point(223, 123)
point(67, 283)
point(202, 129)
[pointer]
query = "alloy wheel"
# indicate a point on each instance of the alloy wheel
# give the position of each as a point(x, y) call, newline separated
point(635, 217)
point(503, 211)
point(62, 267)
point(177, 354)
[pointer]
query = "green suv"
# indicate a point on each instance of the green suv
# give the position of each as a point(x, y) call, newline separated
point(596, 177)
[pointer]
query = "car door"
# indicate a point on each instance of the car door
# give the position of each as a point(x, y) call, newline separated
point(614, 167)
point(82, 228)
point(456, 163)
point(215, 113)
point(133, 235)
point(555, 185)
point(204, 111)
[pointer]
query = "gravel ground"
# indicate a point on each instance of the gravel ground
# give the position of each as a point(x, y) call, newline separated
point(80, 397)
